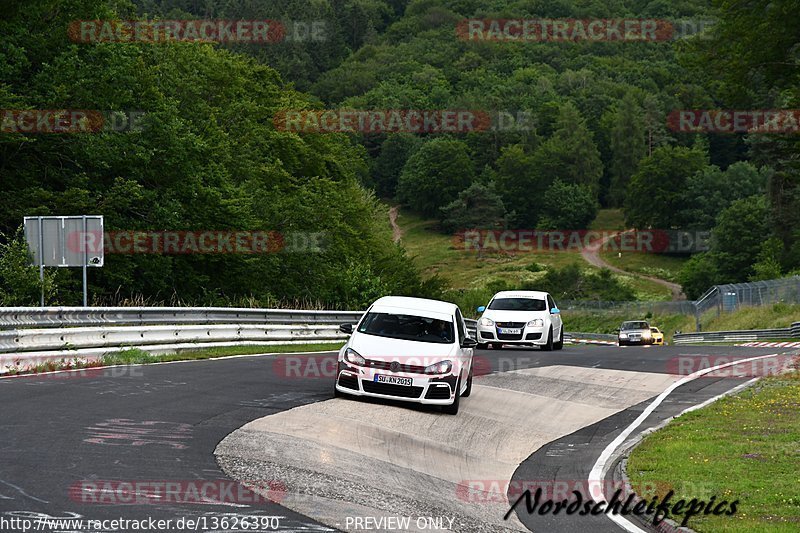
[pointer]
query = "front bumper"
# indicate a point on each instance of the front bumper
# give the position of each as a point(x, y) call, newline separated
point(530, 335)
point(639, 341)
point(425, 388)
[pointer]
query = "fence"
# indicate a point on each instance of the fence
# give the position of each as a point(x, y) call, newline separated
point(720, 298)
point(727, 298)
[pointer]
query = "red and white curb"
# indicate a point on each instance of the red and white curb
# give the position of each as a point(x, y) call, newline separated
point(592, 341)
point(771, 344)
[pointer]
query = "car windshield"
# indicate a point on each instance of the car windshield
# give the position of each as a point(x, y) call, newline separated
point(635, 325)
point(408, 327)
point(518, 304)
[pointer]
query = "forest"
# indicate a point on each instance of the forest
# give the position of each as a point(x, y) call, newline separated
point(207, 154)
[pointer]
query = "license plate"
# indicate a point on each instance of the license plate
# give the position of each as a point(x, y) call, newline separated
point(509, 331)
point(393, 380)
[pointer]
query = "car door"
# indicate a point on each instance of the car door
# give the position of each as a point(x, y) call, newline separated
point(464, 354)
point(555, 318)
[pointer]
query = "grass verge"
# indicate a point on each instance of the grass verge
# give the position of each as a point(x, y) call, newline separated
point(744, 447)
point(780, 315)
point(135, 356)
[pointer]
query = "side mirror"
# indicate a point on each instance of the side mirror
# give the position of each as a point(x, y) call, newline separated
point(481, 309)
point(346, 328)
point(554, 311)
point(469, 342)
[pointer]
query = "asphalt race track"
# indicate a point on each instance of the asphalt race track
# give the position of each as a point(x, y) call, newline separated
point(103, 444)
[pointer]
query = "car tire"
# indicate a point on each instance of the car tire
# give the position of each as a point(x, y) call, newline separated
point(482, 345)
point(497, 346)
point(560, 344)
point(468, 390)
point(452, 409)
point(549, 346)
point(336, 393)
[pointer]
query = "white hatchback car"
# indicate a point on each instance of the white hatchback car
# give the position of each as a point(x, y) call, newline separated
point(521, 318)
point(409, 349)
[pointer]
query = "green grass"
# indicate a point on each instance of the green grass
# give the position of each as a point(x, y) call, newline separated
point(135, 356)
point(609, 220)
point(661, 266)
point(437, 253)
point(778, 315)
point(744, 447)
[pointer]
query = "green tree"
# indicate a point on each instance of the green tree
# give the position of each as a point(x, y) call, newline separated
point(570, 154)
point(655, 194)
point(628, 147)
point(699, 274)
point(477, 207)
point(19, 280)
point(738, 236)
point(434, 175)
point(394, 154)
point(517, 181)
point(568, 206)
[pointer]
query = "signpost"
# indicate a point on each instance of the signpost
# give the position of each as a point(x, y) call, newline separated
point(66, 241)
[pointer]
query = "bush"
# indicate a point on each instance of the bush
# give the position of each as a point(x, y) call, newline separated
point(572, 283)
point(19, 281)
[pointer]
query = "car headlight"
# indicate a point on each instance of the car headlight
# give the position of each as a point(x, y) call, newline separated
point(623, 335)
point(352, 356)
point(486, 322)
point(442, 367)
point(536, 323)
point(646, 335)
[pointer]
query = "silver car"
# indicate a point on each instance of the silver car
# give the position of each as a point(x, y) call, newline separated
point(635, 332)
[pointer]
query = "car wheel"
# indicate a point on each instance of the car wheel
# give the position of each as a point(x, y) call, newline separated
point(468, 390)
point(560, 344)
point(549, 346)
point(482, 345)
point(497, 346)
point(452, 409)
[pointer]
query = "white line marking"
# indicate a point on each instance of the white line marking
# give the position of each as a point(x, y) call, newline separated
point(21, 491)
point(598, 471)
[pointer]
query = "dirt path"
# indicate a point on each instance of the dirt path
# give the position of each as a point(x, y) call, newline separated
point(591, 255)
point(397, 233)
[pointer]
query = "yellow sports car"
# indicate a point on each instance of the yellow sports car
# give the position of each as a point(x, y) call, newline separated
point(657, 336)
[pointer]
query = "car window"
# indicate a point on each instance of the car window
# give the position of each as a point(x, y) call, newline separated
point(550, 303)
point(408, 327)
point(518, 304)
point(635, 325)
point(462, 334)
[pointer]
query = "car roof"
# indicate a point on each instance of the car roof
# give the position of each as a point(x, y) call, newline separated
point(415, 306)
point(521, 294)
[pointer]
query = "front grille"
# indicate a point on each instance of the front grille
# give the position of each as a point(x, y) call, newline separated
point(348, 381)
point(506, 337)
point(518, 325)
point(438, 393)
point(389, 389)
point(386, 365)
point(533, 336)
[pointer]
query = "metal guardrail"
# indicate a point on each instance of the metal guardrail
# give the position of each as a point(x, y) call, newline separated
point(51, 317)
point(30, 340)
point(35, 335)
point(736, 336)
